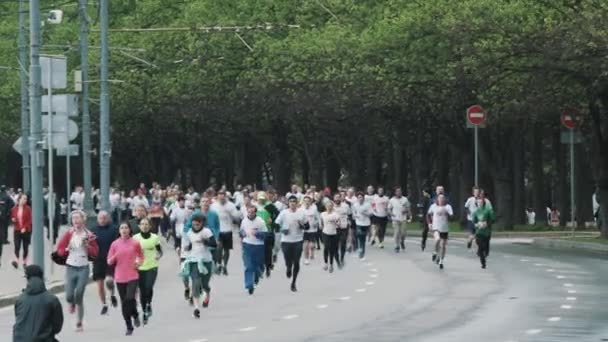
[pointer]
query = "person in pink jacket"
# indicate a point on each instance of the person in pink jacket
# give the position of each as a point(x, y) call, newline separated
point(126, 256)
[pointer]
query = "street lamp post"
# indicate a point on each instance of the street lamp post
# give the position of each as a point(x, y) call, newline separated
point(104, 113)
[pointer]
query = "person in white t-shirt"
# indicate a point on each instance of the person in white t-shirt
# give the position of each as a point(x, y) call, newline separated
point(343, 210)
point(531, 216)
point(438, 216)
point(380, 216)
point(312, 215)
point(253, 230)
point(330, 221)
point(400, 213)
point(77, 198)
point(227, 215)
point(293, 223)
point(362, 212)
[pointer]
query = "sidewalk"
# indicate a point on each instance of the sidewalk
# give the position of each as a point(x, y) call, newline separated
point(13, 280)
point(572, 245)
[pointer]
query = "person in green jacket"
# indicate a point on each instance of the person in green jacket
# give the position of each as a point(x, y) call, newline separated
point(483, 218)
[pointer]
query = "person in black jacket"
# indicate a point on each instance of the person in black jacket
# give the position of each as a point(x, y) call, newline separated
point(6, 204)
point(38, 313)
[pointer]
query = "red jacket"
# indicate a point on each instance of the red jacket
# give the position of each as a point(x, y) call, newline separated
point(27, 218)
point(92, 246)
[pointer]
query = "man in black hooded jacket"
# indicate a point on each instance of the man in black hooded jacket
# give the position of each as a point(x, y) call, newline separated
point(38, 313)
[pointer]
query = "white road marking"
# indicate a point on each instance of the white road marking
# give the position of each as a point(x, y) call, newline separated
point(533, 331)
point(550, 270)
point(571, 291)
point(554, 319)
point(560, 277)
point(539, 265)
point(524, 260)
point(571, 298)
point(322, 306)
point(344, 298)
point(373, 275)
point(566, 306)
point(373, 270)
point(247, 329)
point(200, 340)
point(568, 285)
point(369, 264)
point(288, 317)
point(360, 290)
point(369, 283)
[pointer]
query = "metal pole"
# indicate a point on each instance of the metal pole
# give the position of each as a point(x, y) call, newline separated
point(104, 115)
point(572, 203)
point(25, 120)
point(86, 121)
point(476, 155)
point(36, 155)
point(51, 203)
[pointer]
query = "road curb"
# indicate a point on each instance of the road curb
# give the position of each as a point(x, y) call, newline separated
point(571, 245)
point(10, 299)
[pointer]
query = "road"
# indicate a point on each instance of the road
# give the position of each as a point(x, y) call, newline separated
point(524, 295)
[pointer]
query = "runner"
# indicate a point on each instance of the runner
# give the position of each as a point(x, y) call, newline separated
point(178, 217)
point(78, 246)
point(438, 215)
point(312, 216)
point(126, 256)
point(330, 220)
point(106, 233)
point(350, 199)
point(227, 214)
point(399, 209)
point(293, 223)
point(362, 211)
point(148, 270)
point(380, 215)
point(267, 211)
point(483, 217)
point(253, 231)
point(343, 210)
point(371, 233)
point(276, 229)
point(470, 207)
point(423, 206)
point(198, 265)
point(139, 212)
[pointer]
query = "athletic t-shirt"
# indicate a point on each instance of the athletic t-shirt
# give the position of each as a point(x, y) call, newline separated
point(380, 206)
point(362, 213)
point(227, 213)
point(199, 250)
point(249, 227)
point(149, 248)
point(330, 222)
point(343, 210)
point(290, 222)
point(312, 215)
point(398, 208)
point(440, 217)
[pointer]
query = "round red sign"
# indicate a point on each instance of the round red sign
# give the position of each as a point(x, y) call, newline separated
point(568, 118)
point(476, 115)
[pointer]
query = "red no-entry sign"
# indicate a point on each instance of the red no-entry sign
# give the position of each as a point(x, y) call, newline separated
point(476, 115)
point(568, 118)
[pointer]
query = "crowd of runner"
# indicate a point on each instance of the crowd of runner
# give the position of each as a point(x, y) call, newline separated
point(126, 244)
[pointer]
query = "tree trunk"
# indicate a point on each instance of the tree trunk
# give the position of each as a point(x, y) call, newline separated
point(538, 177)
point(561, 199)
point(584, 186)
point(518, 184)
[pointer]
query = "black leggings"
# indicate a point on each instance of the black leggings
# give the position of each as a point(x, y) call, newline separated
point(126, 291)
point(381, 224)
point(483, 243)
point(330, 248)
point(22, 239)
point(268, 246)
point(146, 287)
point(342, 241)
point(292, 253)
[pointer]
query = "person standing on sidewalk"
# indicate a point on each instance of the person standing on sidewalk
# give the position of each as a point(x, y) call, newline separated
point(21, 216)
point(253, 231)
point(106, 233)
point(38, 313)
point(6, 204)
point(126, 256)
point(78, 245)
point(483, 217)
point(148, 270)
point(399, 210)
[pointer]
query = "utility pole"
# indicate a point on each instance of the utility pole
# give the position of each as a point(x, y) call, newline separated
point(25, 119)
point(86, 120)
point(104, 113)
point(36, 153)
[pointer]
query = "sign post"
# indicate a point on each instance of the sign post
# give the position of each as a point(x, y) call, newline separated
point(476, 116)
point(568, 119)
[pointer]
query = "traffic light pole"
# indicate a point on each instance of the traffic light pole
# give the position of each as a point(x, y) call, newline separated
point(25, 120)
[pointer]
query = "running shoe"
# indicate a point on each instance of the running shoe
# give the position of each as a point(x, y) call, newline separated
point(136, 321)
point(250, 290)
point(381, 245)
point(440, 266)
point(145, 318)
point(289, 273)
point(293, 288)
point(268, 272)
point(434, 257)
point(15, 264)
point(306, 262)
point(225, 270)
point(114, 301)
point(79, 327)
point(331, 268)
point(191, 301)
point(72, 308)
point(397, 249)
point(325, 267)
point(104, 310)
point(197, 313)
point(403, 245)
point(129, 332)
point(206, 300)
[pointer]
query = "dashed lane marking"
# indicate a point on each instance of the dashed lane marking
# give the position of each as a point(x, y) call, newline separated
point(247, 329)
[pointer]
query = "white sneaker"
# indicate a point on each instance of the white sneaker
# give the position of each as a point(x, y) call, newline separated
point(325, 267)
point(306, 262)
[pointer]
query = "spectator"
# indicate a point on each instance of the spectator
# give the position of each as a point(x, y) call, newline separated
point(38, 313)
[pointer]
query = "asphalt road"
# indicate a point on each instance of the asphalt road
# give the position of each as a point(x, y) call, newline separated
point(524, 295)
